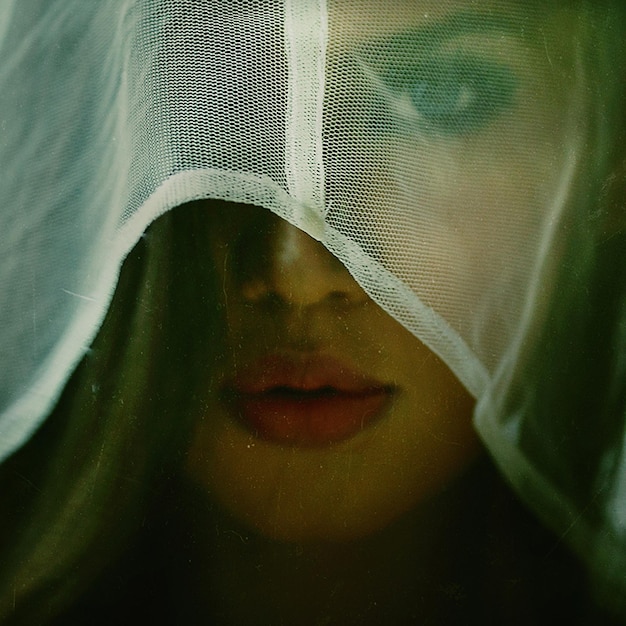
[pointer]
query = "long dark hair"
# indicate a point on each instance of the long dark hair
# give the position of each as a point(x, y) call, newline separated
point(569, 391)
point(74, 496)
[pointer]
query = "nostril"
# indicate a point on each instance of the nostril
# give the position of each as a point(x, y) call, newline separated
point(340, 298)
point(254, 290)
point(261, 295)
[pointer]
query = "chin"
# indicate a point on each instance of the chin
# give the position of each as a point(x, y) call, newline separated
point(340, 493)
point(313, 525)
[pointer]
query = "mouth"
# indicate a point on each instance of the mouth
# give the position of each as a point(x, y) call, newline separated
point(305, 402)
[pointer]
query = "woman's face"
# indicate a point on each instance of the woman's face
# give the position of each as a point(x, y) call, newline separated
point(326, 419)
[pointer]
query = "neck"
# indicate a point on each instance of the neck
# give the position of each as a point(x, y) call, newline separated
point(398, 574)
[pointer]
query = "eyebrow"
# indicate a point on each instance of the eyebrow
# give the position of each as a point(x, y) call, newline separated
point(429, 37)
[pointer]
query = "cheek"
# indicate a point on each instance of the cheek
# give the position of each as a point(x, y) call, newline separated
point(464, 224)
point(427, 203)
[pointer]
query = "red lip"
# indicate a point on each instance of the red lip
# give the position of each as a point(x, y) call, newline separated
point(305, 401)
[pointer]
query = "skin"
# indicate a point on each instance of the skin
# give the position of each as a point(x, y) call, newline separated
point(347, 489)
point(516, 158)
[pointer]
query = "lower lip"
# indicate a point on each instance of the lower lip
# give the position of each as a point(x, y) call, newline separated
point(309, 419)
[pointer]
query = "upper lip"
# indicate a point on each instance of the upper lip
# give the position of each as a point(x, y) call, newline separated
point(304, 374)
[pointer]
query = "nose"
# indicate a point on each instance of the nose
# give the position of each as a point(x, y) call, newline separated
point(300, 272)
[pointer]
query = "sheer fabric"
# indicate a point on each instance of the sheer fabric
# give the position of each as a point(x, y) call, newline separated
point(459, 161)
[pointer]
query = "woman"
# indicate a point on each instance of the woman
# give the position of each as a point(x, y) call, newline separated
point(389, 220)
